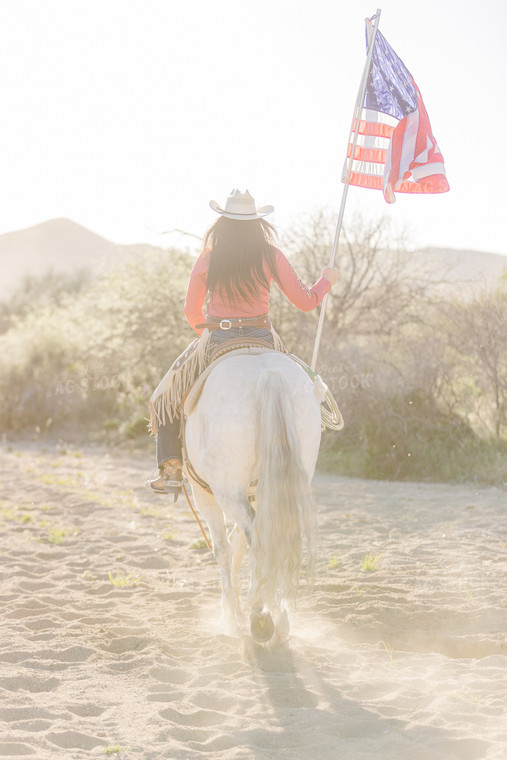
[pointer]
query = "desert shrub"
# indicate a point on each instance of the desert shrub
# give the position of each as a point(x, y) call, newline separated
point(96, 355)
point(31, 353)
point(476, 332)
point(35, 291)
point(407, 437)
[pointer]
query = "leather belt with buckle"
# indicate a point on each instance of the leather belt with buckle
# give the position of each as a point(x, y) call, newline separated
point(217, 323)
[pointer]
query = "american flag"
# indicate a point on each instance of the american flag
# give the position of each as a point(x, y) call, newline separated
point(395, 148)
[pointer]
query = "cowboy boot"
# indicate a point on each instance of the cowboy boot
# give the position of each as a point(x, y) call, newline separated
point(170, 479)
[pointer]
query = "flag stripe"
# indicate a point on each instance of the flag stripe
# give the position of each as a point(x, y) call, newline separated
point(366, 168)
point(377, 129)
point(436, 183)
point(361, 153)
point(422, 172)
point(408, 145)
point(364, 180)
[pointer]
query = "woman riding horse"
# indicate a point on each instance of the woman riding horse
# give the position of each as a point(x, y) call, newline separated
point(238, 263)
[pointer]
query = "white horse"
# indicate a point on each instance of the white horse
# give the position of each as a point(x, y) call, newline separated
point(258, 419)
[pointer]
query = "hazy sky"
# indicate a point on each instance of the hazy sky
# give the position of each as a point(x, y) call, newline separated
point(129, 115)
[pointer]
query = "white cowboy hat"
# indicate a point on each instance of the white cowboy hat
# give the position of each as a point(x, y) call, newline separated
point(241, 206)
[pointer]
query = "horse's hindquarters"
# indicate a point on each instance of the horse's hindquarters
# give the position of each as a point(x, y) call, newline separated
point(221, 431)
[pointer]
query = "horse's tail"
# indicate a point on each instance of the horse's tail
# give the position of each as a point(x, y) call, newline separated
point(285, 516)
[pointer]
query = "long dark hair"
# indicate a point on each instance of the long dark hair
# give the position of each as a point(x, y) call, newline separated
point(238, 250)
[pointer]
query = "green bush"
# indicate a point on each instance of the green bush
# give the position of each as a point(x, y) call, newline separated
point(95, 355)
point(408, 438)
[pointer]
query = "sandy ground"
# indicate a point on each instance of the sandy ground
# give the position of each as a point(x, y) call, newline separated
point(109, 645)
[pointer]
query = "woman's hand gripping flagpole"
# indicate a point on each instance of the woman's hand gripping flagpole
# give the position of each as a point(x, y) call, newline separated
point(355, 119)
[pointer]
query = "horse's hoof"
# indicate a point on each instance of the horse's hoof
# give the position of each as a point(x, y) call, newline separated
point(261, 626)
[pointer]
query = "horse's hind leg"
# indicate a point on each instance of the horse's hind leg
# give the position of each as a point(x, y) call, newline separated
point(214, 516)
point(238, 548)
point(282, 624)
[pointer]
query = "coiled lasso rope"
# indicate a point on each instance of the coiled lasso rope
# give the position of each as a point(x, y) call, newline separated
point(331, 417)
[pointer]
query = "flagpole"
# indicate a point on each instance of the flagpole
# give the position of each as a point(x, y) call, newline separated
point(355, 121)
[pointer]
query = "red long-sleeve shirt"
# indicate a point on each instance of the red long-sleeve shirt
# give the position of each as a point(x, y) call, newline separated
point(297, 292)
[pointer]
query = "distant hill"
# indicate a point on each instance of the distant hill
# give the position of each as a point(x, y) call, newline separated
point(462, 265)
point(58, 244)
point(64, 245)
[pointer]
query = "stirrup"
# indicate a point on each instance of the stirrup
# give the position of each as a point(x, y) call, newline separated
point(161, 485)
